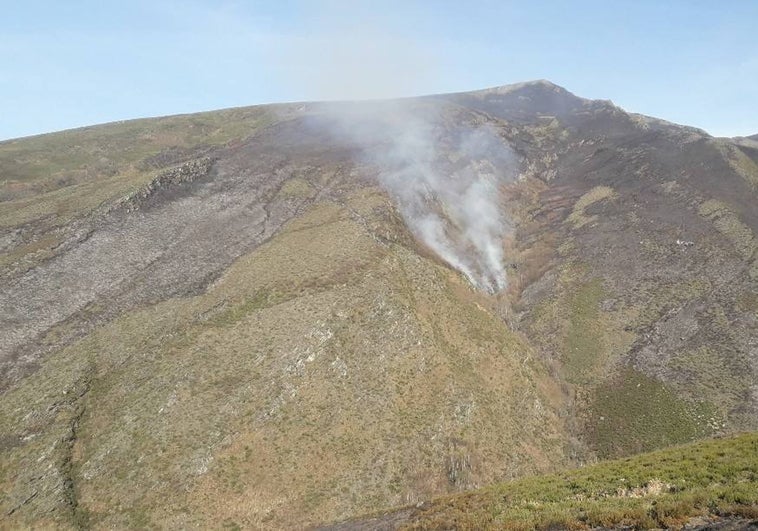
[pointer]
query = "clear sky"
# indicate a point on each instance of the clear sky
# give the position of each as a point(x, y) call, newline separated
point(65, 64)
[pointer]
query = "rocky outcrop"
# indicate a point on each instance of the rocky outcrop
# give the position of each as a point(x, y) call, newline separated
point(185, 173)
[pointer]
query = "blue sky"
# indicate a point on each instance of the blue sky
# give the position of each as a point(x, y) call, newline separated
point(68, 64)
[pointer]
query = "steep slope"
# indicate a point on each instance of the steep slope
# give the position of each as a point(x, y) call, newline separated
point(255, 335)
point(645, 305)
point(237, 316)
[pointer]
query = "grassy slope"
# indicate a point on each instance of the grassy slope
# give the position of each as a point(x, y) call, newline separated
point(658, 489)
point(324, 374)
point(49, 180)
point(591, 322)
point(234, 395)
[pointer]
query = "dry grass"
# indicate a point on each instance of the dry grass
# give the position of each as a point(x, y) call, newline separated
point(660, 489)
point(739, 162)
point(730, 226)
point(579, 216)
point(327, 373)
point(50, 180)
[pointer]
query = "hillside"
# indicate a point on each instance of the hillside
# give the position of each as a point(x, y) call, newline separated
point(705, 485)
point(282, 315)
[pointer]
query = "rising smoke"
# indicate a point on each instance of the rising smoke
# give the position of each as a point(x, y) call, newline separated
point(444, 169)
point(445, 179)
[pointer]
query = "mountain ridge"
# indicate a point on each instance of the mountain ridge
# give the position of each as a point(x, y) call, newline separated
point(238, 315)
point(498, 89)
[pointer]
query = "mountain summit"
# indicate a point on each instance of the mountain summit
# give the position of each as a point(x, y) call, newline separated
point(281, 315)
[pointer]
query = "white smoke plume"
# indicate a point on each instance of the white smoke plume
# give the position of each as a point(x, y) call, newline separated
point(443, 167)
point(445, 176)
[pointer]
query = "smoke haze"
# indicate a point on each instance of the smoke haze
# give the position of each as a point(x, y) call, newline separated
point(445, 179)
point(444, 170)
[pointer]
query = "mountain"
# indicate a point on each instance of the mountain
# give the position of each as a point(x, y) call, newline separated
point(285, 315)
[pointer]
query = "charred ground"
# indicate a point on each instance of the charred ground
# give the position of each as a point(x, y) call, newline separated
point(223, 317)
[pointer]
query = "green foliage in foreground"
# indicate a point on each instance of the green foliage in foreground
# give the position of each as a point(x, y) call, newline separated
point(658, 489)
